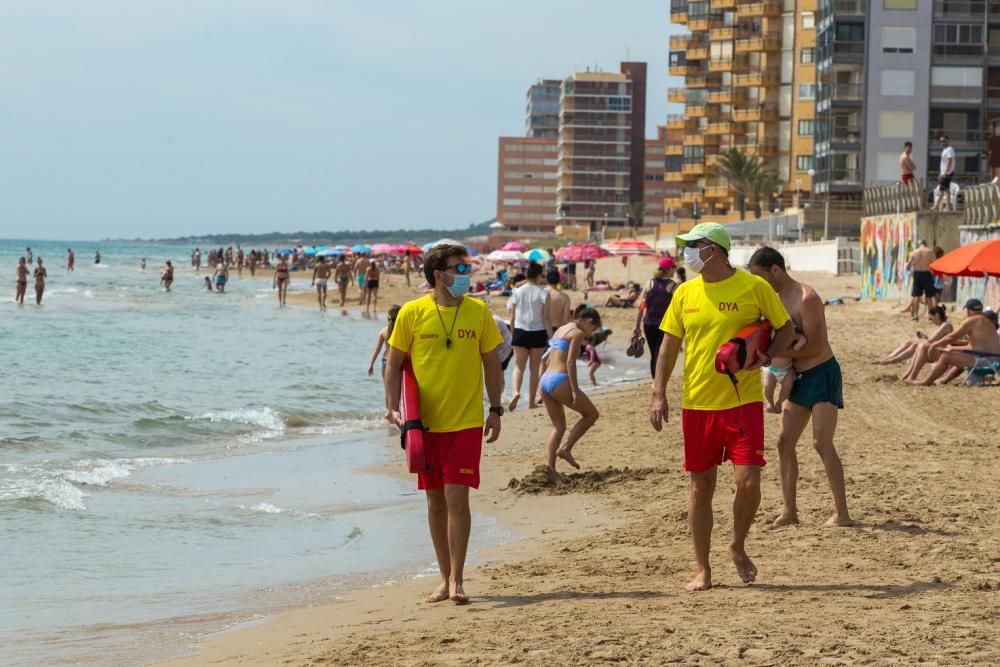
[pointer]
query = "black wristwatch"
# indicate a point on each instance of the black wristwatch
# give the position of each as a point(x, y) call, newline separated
point(497, 410)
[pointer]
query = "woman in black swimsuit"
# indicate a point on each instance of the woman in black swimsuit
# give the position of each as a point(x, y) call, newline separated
point(40, 275)
point(281, 278)
point(22, 280)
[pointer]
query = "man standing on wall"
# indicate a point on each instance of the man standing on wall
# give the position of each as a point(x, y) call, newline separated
point(817, 393)
point(907, 166)
point(450, 339)
point(942, 201)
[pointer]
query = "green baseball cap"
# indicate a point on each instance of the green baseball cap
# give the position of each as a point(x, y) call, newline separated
point(711, 231)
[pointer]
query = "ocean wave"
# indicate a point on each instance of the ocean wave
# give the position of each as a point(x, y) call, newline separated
point(269, 508)
point(60, 487)
point(265, 418)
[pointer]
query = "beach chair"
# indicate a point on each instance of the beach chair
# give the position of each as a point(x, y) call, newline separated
point(984, 371)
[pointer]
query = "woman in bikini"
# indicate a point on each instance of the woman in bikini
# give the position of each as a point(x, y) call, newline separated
point(281, 280)
point(371, 286)
point(382, 340)
point(22, 280)
point(559, 387)
point(40, 275)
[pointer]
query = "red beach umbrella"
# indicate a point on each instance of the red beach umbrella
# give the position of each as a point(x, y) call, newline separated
point(974, 260)
point(515, 245)
point(580, 253)
point(629, 248)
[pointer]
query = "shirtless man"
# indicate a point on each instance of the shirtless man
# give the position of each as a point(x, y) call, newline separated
point(343, 276)
point(360, 267)
point(40, 275)
point(556, 311)
point(817, 393)
point(923, 280)
point(320, 278)
point(28, 256)
point(166, 275)
point(906, 164)
point(22, 281)
point(239, 260)
point(196, 260)
point(981, 336)
point(371, 286)
point(70, 259)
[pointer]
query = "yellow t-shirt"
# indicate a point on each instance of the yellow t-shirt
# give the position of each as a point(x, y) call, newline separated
point(706, 315)
point(450, 380)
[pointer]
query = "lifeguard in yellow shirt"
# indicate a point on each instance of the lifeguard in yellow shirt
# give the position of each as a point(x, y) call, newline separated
point(451, 340)
point(719, 423)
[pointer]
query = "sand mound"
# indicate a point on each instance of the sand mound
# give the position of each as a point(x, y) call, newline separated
point(545, 480)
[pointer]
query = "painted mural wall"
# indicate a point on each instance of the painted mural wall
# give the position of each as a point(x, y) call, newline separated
point(886, 243)
point(988, 291)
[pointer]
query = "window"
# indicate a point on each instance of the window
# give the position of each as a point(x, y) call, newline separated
point(958, 34)
point(887, 167)
point(512, 202)
point(513, 160)
point(900, 4)
point(896, 82)
point(806, 128)
point(895, 124)
point(898, 40)
point(964, 77)
point(803, 162)
point(807, 91)
point(807, 56)
point(808, 20)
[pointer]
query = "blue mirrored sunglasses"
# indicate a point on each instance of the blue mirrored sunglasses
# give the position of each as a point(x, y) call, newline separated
point(462, 269)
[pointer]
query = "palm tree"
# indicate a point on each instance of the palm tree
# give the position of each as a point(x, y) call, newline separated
point(748, 177)
point(636, 211)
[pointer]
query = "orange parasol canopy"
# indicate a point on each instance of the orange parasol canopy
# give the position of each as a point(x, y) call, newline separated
point(974, 260)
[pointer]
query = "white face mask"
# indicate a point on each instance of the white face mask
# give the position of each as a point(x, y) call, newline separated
point(692, 259)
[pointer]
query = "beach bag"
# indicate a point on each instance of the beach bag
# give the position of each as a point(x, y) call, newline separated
point(743, 350)
point(635, 346)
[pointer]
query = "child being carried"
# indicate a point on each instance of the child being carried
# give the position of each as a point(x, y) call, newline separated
point(781, 372)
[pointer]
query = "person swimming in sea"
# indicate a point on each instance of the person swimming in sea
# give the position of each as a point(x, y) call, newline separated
point(97, 257)
point(559, 387)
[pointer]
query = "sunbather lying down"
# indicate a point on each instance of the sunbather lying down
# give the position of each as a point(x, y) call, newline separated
point(627, 301)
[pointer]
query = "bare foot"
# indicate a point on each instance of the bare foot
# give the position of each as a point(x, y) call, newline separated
point(513, 402)
point(458, 595)
point(745, 568)
point(440, 595)
point(785, 519)
point(565, 455)
point(774, 409)
point(702, 581)
point(837, 520)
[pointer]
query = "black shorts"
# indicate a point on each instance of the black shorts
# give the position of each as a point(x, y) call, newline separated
point(923, 284)
point(372, 284)
point(945, 182)
point(530, 339)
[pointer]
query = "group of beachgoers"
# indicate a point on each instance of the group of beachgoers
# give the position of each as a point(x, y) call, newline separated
point(22, 271)
point(973, 346)
point(456, 345)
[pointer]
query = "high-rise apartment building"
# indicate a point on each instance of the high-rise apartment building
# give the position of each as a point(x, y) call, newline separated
point(750, 84)
point(526, 183)
point(541, 117)
point(904, 70)
point(601, 146)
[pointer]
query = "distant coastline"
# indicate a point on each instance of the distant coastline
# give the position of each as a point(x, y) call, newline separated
point(321, 237)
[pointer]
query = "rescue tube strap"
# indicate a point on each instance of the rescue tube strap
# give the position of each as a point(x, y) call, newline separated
point(407, 426)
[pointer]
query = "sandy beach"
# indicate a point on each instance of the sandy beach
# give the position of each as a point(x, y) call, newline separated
point(598, 572)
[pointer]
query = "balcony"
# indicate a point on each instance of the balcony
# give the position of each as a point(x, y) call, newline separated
point(676, 95)
point(696, 110)
point(694, 140)
point(842, 134)
point(759, 43)
point(836, 179)
point(680, 42)
point(720, 65)
point(698, 81)
point(717, 192)
point(587, 167)
point(673, 177)
point(755, 114)
point(974, 139)
point(673, 202)
point(690, 197)
point(723, 96)
point(839, 93)
point(583, 182)
point(841, 52)
point(722, 4)
point(676, 122)
point(606, 121)
point(757, 78)
point(722, 32)
point(682, 69)
point(699, 52)
point(701, 22)
point(759, 10)
point(678, 12)
point(711, 161)
point(594, 136)
point(693, 168)
point(595, 152)
point(965, 9)
point(724, 127)
point(673, 149)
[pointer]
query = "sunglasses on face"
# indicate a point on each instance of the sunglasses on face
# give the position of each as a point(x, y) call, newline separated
point(462, 268)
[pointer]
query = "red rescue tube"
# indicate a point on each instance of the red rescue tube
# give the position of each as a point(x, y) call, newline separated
point(744, 349)
point(412, 430)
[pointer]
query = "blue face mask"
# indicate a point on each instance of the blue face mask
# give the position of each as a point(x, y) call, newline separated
point(459, 285)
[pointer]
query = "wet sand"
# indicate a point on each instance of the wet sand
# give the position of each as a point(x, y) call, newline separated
point(599, 574)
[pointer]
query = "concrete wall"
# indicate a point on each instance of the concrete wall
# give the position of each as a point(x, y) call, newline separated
point(987, 290)
point(818, 256)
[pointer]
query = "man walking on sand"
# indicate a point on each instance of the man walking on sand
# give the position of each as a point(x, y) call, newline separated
point(923, 280)
point(719, 423)
point(320, 278)
point(451, 341)
point(817, 393)
point(360, 269)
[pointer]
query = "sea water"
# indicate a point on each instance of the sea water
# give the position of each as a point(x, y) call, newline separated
point(172, 463)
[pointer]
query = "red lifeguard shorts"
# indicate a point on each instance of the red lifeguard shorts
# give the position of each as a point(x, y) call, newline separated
point(714, 436)
point(453, 458)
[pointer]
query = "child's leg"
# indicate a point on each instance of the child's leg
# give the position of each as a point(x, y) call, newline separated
point(557, 415)
point(769, 385)
point(592, 367)
point(786, 389)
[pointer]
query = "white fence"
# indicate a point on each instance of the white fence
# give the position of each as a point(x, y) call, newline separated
point(836, 257)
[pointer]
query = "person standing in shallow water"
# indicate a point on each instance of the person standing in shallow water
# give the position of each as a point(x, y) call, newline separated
point(70, 259)
point(718, 423)
point(320, 278)
point(451, 340)
point(166, 275)
point(40, 275)
point(22, 280)
point(281, 278)
point(817, 392)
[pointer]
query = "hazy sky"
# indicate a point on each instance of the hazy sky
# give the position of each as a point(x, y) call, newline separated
point(171, 117)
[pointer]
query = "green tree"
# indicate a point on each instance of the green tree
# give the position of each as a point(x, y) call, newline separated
point(748, 178)
point(636, 212)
